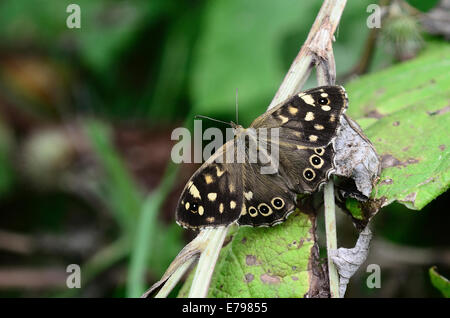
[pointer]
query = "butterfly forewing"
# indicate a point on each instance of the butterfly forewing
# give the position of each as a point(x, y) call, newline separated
point(310, 118)
point(213, 195)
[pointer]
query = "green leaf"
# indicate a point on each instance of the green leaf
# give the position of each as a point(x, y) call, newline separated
point(440, 282)
point(353, 206)
point(405, 112)
point(266, 262)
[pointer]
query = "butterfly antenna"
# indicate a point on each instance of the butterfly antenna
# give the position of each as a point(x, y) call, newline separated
point(237, 109)
point(213, 119)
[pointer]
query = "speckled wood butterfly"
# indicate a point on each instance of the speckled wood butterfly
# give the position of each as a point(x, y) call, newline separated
point(221, 193)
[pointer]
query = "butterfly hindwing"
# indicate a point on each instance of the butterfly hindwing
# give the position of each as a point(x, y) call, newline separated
point(301, 170)
point(306, 169)
point(267, 204)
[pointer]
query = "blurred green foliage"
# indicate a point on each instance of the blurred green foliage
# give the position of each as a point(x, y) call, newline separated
point(440, 282)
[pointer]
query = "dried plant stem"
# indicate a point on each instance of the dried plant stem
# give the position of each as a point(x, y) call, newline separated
point(330, 227)
point(178, 267)
point(313, 52)
point(174, 279)
point(207, 262)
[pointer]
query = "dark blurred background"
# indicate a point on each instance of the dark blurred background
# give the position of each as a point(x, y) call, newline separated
point(86, 117)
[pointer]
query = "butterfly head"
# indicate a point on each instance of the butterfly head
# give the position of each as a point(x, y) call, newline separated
point(236, 126)
point(238, 129)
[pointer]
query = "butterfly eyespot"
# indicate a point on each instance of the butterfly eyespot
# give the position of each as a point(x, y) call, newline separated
point(309, 174)
point(277, 203)
point(252, 211)
point(194, 207)
point(264, 209)
point(316, 161)
point(319, 151)
point(323, 101)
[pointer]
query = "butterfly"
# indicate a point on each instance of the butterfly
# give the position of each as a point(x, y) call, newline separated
point(222, 192)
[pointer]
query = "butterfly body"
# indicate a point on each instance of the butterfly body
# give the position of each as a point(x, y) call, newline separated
point(254, 178)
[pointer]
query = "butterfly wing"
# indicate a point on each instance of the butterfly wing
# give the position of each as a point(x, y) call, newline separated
point(213, 195)
point(266, 198)
point(310, 118)
point(306, 125)
point(306, 169)
point(221, 193)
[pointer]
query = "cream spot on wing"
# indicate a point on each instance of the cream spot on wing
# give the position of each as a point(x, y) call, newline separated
point(297, 134)
point(232, 204)
point(208, 178)
point(332, 118)
point(212, 196)
point(292, 110)
point(283, 119)
point(326, 108)
point(248, 195)
point(308, 99)
point(187, 205)
point(309, 116)
point(243, 210)
point(200, 210)
point(219, 172)
point(231, 187)
point(194, 191)
point(299, 147)
point(324, 95)
point(313, 138)
point(189, 184)
point(221, 208)
point(210, 219)
point(318, 127)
